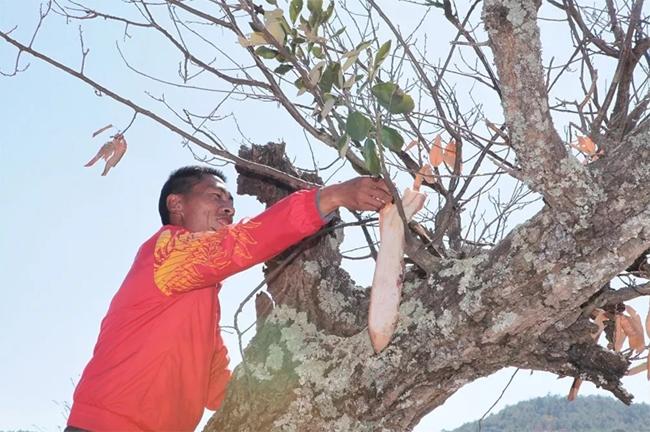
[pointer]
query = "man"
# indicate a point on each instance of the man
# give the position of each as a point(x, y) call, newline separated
point(159, 359)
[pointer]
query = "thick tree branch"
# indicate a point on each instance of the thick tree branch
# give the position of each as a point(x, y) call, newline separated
point(615, 26)
point(611, 297)
point(546, 165)
point(523, 301)
point(518, 304)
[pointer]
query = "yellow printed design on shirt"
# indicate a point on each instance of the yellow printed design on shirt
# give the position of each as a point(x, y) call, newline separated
point(184, 261)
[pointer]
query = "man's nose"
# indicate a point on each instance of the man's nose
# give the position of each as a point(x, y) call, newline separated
point(228, 210)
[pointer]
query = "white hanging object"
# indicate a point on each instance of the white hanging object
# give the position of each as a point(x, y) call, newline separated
point(387, 282)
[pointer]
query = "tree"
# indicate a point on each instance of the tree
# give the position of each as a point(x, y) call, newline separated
point(479, 293)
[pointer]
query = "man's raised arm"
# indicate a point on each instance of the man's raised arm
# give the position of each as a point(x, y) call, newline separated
point(185, 260)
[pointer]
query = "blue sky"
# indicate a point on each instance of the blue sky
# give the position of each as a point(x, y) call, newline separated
point(69, 235)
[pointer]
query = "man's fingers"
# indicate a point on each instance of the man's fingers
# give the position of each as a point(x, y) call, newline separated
point(369, 203)
point(381, 190)
point(370, 194)
point(379, 194)
point(383, 195)
point(378, 204)
point(378, 198)
point(382, 185)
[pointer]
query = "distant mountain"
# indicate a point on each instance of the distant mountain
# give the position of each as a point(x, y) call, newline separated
point(556, 414)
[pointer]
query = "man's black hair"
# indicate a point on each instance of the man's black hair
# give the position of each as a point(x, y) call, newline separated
point(181, 182)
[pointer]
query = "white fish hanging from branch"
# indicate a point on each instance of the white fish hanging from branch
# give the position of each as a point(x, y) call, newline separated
point(386, 290)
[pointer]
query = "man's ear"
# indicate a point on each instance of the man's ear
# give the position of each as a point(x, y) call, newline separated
point(175, 206)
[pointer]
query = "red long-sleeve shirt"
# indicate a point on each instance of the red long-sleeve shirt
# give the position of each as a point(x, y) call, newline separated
point(159, 359)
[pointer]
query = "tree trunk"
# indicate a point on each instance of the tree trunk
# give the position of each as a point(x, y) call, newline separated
point(311, 366)
point(526, 302)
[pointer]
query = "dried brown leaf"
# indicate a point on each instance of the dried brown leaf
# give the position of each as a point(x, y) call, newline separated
point(647, 323)
point(103, 153)
point(573, 392)
point(635, 320)
point(586, 145)
point(410, 145)
point(637, 369)
point(449, 155)
point(636, 342)
point(435, 155)
point(112, 151)
point(98, 131)
point(425, 173)
point(600, 316)
point(619, 333)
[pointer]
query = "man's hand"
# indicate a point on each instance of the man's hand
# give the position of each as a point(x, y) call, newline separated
point(361, 193)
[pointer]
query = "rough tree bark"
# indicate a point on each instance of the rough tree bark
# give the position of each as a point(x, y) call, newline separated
point(524, 302)
point(311, 366)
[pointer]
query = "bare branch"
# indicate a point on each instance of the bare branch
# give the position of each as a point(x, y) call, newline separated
point(513, 30)
point(262, 170)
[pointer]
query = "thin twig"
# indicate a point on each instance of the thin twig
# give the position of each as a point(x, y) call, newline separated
point(480, 421)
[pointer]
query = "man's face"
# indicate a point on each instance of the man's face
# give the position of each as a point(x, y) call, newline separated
point(208, 206)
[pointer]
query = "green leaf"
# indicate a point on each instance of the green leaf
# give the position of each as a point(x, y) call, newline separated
point(300, 84)
point(328, 105)
point(316, 72)
point(382, 53)
point(338, 32)
point(350, 60)
point(328, 12)
point(347, 84)
point(329, 77)
point(370, 157)
point(288, 30)
point(273, 2)
point(299, 52)
point(294, 10)
point(363, 45)
point(266, 53)
point(315, 6)
point(304, 22)
point(385, 93)
point(283, 69)
point(317, 51)
point(405, 105)
point(391, 139)
point(357, 126)
point(314, 21)
point(343, 144)
point(391, 97)
point(340, 79)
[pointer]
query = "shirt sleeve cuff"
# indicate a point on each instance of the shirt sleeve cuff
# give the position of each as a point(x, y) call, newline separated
point(325, 218)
